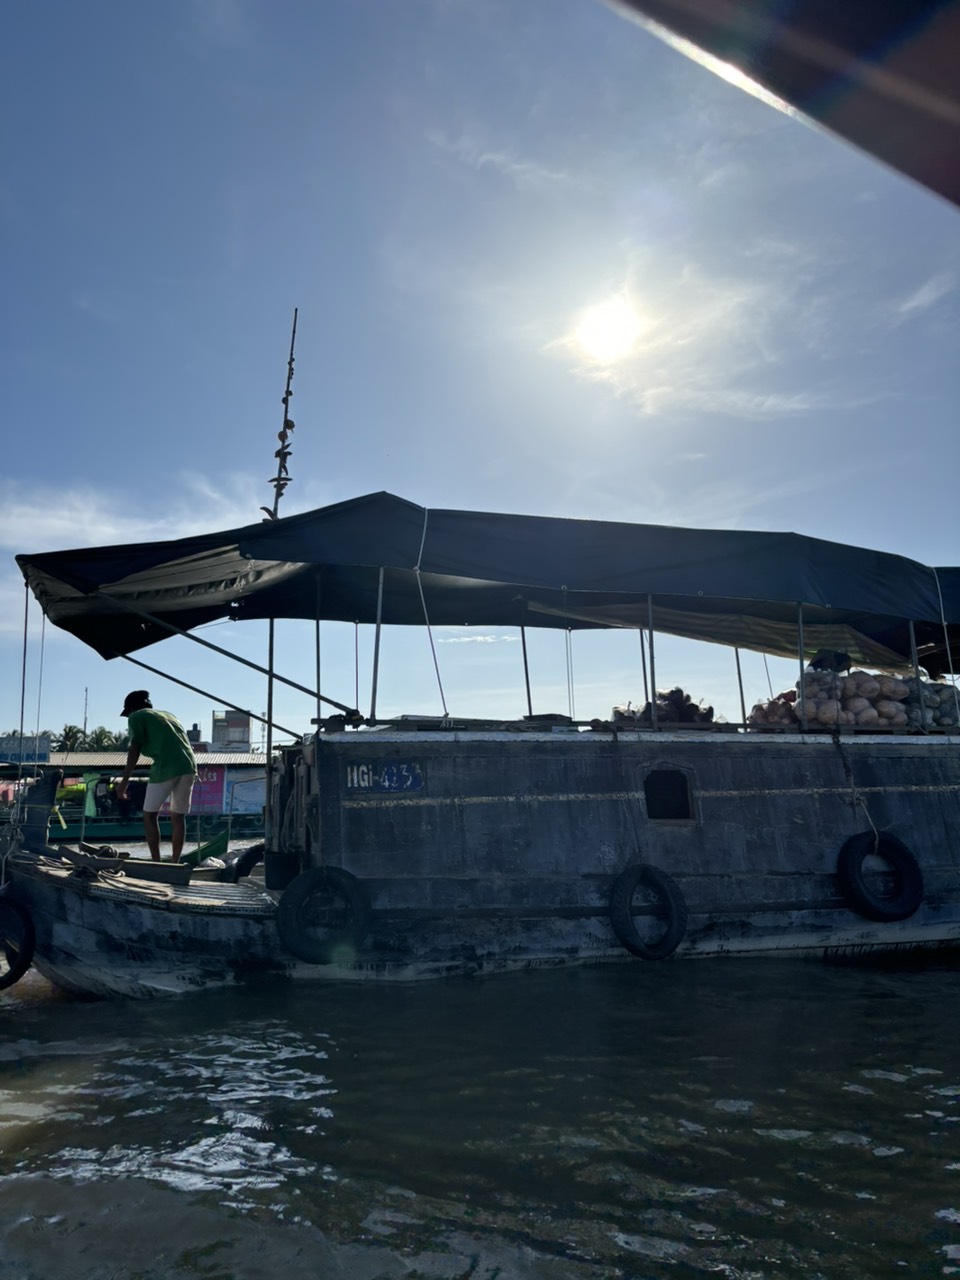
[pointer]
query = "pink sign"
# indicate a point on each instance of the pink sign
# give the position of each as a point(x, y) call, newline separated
point(207, 790)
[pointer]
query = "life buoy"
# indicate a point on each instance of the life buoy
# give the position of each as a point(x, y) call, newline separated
point(867, 900)
point(17, 942)
point(324, 912)
point(669, 906)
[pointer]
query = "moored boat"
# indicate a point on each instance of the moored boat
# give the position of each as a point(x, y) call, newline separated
point(431, 846)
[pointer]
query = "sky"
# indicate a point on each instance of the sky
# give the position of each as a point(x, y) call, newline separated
point(447, 190)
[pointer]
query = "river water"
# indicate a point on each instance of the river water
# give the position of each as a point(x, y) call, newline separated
point(736, 1118)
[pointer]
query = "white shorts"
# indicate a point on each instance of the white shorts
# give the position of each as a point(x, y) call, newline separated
point(178, 789)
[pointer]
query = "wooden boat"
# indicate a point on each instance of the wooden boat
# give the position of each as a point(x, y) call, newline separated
point(431, 846)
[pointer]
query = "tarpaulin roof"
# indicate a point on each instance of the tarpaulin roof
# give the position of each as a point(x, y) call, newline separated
point(880, 73)
point(486, 569)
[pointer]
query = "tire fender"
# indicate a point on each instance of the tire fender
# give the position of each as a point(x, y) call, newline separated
point(671, 907)
point(17, 941)
point(324, 911)
point(860, 896)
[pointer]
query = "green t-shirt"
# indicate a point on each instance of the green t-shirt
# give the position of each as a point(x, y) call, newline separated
point(160, 736)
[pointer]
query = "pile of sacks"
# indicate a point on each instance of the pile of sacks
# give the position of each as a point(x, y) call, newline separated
point(859, 698)
point(862, 700)
point(675, 707)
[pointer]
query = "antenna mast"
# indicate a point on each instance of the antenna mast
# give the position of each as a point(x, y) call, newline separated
point(282, 478)
point(280, 482)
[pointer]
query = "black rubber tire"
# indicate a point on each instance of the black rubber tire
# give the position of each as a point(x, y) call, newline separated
point(671, 904)
point(310, 928)
point(908, 892)
point(241, 864)
point(17, 940)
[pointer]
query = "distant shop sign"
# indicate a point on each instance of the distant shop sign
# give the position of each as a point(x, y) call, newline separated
point(17, 750)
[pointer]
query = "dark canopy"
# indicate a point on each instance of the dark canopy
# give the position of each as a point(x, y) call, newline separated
point(880, 73)
point(479, 568)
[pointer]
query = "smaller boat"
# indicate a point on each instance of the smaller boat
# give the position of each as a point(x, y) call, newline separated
point(115, 924)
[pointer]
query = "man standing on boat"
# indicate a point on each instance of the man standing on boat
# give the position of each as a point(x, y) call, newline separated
point(161, 736)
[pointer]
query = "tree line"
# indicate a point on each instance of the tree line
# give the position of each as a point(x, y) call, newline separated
point(73, 738)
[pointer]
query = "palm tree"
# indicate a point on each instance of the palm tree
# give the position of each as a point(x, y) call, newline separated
point(99, 739)
point(119, 741)
point(71, 738)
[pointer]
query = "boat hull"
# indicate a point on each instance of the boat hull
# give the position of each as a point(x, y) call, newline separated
point(485, 852)
point(107, 935)
point(503, 848)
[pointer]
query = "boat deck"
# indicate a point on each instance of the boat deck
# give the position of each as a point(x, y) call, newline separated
point(247, 898)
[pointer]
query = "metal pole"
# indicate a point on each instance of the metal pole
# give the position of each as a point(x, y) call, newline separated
point(279, 484)
point(203, 693)
point(653, 668)
point(268, 799)
point(376, 647)
point(317, 646)
point(803, 700)
point(643, 664)
point(743, 705)
point(916, 671)
point(526, 669)
point(254, 666)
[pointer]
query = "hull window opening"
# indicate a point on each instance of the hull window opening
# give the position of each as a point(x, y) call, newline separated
point(667, 795)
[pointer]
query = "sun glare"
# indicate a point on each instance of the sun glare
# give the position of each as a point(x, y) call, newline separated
point(609, 331)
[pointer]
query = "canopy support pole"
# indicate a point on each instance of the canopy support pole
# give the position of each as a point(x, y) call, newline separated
point(643, 664)
point(653, 667)
point(376, 647)
point(23, 696)
point(316, 648)
point(948, 648)
point(526, 669)
point(743, 705)
point(571, 695)
point(916, 672)
point(803, 700)
point(254, 666)
point(204, 693)
point(268, 798)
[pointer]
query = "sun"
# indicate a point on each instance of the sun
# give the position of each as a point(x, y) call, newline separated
point(609, 330)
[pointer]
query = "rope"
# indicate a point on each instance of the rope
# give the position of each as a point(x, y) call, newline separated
point(426, 617)
point(946, 640)
point(857, 798)
point(433, 647)
point(568, 651)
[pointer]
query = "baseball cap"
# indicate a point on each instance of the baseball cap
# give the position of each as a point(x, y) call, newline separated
point(136, 701)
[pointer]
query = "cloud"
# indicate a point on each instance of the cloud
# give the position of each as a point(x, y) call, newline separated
point(218, 25)
point(476, 639)
point(928, 295)
point(523, 173)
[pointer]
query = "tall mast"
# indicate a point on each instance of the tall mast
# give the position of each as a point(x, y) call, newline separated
point(282, 478)
point(280, 482)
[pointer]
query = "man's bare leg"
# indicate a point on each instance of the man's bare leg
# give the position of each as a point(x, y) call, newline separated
point(178, 831)
point(151, 829)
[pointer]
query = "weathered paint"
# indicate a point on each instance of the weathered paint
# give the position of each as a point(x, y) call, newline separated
point(510, 845)
point(493, 851)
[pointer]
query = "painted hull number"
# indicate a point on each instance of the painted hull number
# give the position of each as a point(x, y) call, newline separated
point(384, 777)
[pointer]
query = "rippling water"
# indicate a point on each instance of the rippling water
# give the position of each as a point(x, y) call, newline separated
point(737, 1119)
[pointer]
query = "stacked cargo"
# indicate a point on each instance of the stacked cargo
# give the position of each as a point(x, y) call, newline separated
point(862, 700)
